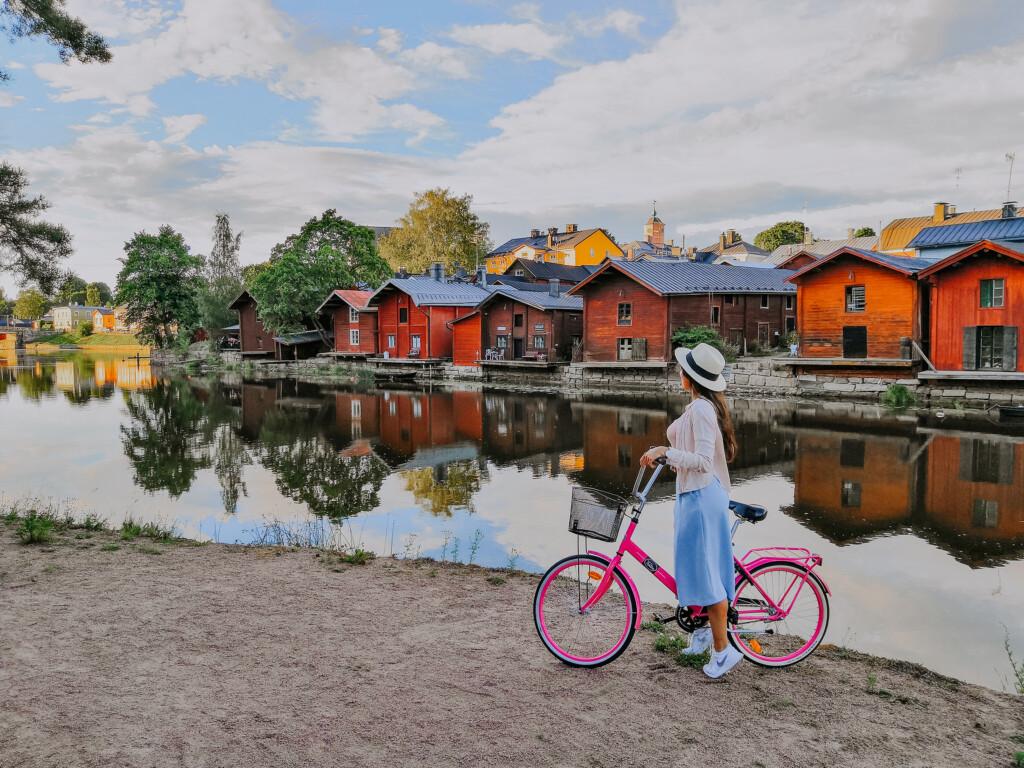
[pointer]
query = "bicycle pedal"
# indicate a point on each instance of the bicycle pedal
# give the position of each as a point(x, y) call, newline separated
point(664, 619)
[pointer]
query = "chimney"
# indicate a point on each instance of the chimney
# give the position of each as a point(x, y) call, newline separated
point(481, 276)
point(534, 233)
point(849, 233)
point(570, 228)
point(437, 271)
point(733, 236)
point(402, 274)
point(808, 236)
point(552, 231)
point(1009, 209)
point(942, 212)
point(554, 287)
point(722, 242)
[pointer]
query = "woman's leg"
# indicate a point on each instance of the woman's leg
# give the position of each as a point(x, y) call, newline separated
point(717, 615)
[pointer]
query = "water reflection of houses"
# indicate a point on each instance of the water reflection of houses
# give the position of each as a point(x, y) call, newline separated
point(529, 431)
point(962, 491)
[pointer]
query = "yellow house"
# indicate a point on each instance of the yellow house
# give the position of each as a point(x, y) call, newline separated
point(574, 247)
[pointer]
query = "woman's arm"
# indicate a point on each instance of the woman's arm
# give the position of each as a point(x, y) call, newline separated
point(705, 432)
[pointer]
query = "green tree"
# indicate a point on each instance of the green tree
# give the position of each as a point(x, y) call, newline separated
point(31, 305)
point(438, 226)
point(30, 248)
point(47, 18)
point(783, 233)
point(222, 278)
point(6, 305)
point(71, 290)
point(328, 253)
point(98, 294)
point(158, 285)
point(864, 232)
point(251, 271)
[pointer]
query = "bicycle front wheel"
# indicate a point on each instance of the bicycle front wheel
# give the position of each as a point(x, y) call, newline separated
point(782, 614)
point(584, 639)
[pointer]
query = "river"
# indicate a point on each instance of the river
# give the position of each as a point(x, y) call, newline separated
point(919, 517)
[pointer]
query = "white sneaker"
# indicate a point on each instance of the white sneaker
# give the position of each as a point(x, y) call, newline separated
point(722, 661)
point(700, 641)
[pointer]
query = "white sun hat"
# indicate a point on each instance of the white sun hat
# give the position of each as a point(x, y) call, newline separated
point(704, 364)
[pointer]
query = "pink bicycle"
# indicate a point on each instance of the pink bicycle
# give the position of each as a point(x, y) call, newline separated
point(587, 606)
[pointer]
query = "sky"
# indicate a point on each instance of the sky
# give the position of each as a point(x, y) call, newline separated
point(731, 114)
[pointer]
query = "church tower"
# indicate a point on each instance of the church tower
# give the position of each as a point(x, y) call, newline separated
point(654, 229)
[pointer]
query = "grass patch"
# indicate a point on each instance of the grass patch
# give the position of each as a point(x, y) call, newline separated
point(93, 523)
point(158, 532)
point(89, 340)
point(147, 550)
point(110, 548)
point(898, 396)
point(1018, 759)
point(130, 529)
point(496, 580)
point(35, 528)
point(673, 644)
point(357, 556)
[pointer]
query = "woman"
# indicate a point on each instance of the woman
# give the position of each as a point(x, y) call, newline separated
point(703, 442)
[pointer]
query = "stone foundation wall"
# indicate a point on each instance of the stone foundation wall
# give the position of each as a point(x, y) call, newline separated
point(748, 377)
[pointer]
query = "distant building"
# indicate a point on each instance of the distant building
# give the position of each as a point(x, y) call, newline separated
point(938, 242)
point(529, 271)
point(653, 245)
point(414, 314)
point(103, 320)
point(69, 316)
point(632, 308)
point(897, 234)
point(256, 340)
point(976, 300)
point(799, 255)
point(574, 247)
point(732, 249)
point(355, 324)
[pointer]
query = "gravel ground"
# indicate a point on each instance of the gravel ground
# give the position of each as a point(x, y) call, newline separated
point(181, 655)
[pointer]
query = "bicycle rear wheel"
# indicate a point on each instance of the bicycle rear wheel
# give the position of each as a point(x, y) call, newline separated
point(774, 638)
point(603, 632)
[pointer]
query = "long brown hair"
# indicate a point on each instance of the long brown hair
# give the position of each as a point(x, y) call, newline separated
point(717, 399)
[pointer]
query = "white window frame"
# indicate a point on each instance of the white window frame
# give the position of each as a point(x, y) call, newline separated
point(353, 315)
point(357, 409)
point(392, 341)
point(353, 337)
point(766, 301)
point(415, 341)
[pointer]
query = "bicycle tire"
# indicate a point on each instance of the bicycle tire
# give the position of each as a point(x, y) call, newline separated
point(822, 628)
point(631, 602)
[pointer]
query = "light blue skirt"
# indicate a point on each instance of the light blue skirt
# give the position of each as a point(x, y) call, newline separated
point(704, 565)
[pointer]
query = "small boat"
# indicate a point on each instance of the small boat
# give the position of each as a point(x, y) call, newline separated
point(1011, 412)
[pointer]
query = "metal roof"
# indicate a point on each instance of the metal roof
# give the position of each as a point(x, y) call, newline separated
point(563, 239)
point(820, 248)
point(687, 277)
point(908, 265)
point(540, 300)
point(543, 270)
point(428, 292)
point(967, 234)
point(899, 232)
point(302, 337)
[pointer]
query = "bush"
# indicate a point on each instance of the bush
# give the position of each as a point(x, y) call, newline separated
point(85, 328)
point(898, 396)
point(692, 335)
point(35, 528)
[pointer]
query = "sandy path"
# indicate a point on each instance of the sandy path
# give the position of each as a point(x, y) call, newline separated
point(225, 656)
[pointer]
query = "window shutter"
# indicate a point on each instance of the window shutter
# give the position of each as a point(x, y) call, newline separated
point(1006, 463)
point(970, 348)
point(1010, 348)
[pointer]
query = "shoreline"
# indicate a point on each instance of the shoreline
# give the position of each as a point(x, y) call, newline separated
point(163, 651)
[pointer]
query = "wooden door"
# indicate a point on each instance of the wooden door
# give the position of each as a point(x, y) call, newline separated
point(855, 341)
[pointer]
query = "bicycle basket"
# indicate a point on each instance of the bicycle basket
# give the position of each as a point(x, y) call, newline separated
point(596, 514)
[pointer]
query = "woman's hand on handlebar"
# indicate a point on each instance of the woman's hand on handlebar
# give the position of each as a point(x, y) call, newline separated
point(652, 456)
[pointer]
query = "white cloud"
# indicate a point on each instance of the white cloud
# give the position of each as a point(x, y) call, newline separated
point(119, 18)
point(14, 65)
point(389, 40)
point(9, 99)
point(431, 57)
point(352, 87)
point(178, 127)
point(624, 22)
point(528, 38)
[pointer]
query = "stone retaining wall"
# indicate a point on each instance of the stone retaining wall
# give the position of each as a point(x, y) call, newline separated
point(748, 377)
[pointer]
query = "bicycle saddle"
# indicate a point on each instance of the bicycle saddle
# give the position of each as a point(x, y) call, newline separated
point(749, 512)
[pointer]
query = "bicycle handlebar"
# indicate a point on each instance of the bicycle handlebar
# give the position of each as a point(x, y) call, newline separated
point(659, 464)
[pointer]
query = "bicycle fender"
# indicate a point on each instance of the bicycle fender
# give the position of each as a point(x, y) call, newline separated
point(630, 582)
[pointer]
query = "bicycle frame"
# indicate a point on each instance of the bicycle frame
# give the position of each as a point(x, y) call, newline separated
point(750, 561)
